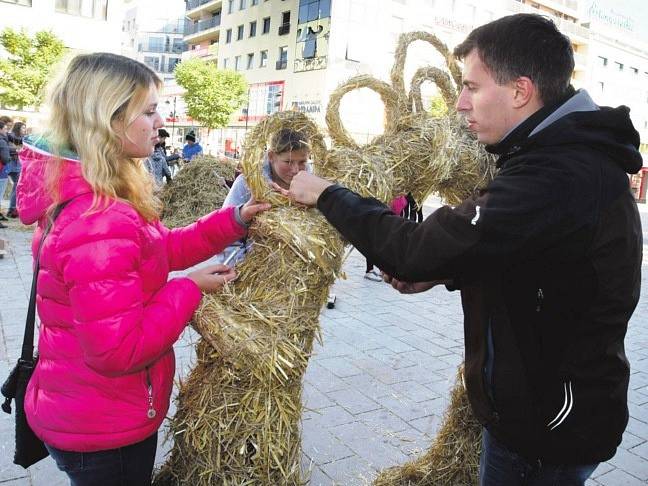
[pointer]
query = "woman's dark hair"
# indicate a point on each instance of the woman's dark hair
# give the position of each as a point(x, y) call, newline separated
point(524, 45)
point(287, 140)
point(16, 129)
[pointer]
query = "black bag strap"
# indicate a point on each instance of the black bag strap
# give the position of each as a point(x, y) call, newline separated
point(28, 338)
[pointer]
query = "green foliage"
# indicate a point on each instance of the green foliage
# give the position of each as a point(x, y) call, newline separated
point(24, 74)
point(438, 107)
point(212, 94)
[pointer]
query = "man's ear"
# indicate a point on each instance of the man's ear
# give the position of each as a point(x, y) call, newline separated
point(525, 91)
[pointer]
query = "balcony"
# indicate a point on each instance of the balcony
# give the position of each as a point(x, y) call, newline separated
point(283, 64)
point(201, 30)
point(284, 29)
point(207, 53)
point(571, 29)
point(195, 8)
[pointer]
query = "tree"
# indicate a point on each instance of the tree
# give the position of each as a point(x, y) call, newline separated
point(211, 94)
point(25, 72)
point(438, 107)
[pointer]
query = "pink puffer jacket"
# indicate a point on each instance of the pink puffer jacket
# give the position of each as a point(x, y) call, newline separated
point(109, 317)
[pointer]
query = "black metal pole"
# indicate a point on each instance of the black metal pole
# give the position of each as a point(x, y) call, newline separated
point(173, 120)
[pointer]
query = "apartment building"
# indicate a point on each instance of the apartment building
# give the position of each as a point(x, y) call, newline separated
point(153, 33)
point(84, 25)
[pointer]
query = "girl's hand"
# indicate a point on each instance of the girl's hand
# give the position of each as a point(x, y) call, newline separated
point(251, 208)
point(212, 277)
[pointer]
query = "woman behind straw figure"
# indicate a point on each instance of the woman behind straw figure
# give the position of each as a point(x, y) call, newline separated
point(288, 154)
point(109, 317)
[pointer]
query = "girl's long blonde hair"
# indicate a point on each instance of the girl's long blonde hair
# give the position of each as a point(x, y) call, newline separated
point(95, 91)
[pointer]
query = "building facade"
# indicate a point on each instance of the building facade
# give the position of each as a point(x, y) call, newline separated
point(294, 53)
point(153, 33)
point(82, 25)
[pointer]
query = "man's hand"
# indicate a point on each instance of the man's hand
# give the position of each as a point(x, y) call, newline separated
point(412, 287)
point(251, 208)
point(305, 188)
point(212, 277)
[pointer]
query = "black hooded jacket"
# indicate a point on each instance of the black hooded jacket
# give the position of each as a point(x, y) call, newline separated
point(548, 260)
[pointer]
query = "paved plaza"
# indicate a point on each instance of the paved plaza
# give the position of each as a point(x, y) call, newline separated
point(375, 389)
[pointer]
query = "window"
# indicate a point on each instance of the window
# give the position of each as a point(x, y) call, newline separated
point(255, 2)
point(253, 28)
point(273, 101)
point(155, 44)
point(225, 61)
point(239, 32)
point(284, 28)
point(230, 6)
point(266, 25)
point(634, 70)
point(228, 36)
point(24, 3)
point(97, 9)
point(282, 63)
point(250, 60)
point(603, 60)
point(172, 63)
point(152, 62)
point(241, 4)
point(619, 65)
point(601, 86)
point(313, 10)
point(264, 59)
point(179, 46)
point(307, 42)
point(237, 63)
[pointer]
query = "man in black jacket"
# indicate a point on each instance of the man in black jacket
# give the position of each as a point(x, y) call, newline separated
point(547, 257)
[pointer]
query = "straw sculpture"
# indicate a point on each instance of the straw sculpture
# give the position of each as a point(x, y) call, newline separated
point(198, 189)
point(239, 411)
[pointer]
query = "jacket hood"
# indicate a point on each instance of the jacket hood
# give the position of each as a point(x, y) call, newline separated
point(578, 120)
point(33, 197)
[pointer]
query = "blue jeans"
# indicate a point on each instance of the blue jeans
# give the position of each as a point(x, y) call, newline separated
point(500, 467)
point(125, 466)
point(14, 176)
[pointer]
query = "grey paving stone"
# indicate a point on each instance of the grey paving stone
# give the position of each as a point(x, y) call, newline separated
point(618, 477)
point(353, 401)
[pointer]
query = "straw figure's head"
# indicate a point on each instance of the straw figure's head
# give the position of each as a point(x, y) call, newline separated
point(417, 153)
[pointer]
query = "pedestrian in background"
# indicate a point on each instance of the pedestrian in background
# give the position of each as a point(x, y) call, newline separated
point(191, 148)
point(547, 256)
point(109, 317)
point(5, 160)
point(15, 139)
point(157, 164)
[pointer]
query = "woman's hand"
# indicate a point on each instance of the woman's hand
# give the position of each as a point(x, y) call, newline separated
point(212, 278)
point(251, 208)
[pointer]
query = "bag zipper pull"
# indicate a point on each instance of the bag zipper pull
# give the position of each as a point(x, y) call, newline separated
point(539, 301)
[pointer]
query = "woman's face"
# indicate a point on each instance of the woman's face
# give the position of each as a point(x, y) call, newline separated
point(286, 165)
point(139, 138)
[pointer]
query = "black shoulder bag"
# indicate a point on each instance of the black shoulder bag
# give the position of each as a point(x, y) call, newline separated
point(29, 448)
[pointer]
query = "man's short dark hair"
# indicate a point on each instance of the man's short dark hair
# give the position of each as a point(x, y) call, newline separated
point(2, 124)
point(524, 45)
